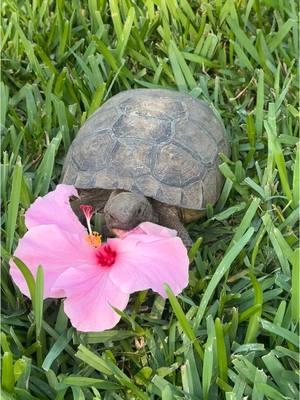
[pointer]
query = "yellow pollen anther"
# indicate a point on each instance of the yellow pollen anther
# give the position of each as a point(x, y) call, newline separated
point(93, 239)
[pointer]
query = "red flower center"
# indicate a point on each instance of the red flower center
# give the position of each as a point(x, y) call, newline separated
point(106, 256)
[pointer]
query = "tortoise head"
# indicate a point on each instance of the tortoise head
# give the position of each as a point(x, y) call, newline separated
point(125, 210)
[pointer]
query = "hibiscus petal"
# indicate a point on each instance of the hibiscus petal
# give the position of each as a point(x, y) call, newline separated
point(54, 249)
point(89, 296)
point(54, 208)
point(158, 230)
point(148, 228)
point(149, 263)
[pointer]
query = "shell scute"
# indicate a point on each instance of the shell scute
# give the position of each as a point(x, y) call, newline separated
point(131, 159)
point(92, 152)
point(144, 129)
point(168, 109)
point(175, 166)
point(199, 142)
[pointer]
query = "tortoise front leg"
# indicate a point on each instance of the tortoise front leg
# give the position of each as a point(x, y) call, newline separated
point(168, 217)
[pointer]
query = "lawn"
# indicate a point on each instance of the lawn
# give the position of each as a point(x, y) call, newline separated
point(233, 333)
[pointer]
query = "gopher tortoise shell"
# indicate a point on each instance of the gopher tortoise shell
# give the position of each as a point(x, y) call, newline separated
point(157, 142)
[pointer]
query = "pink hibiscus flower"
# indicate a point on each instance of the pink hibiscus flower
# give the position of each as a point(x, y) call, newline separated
point(92, 276)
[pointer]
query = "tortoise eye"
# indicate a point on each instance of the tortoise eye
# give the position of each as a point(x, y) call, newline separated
point(139, 212)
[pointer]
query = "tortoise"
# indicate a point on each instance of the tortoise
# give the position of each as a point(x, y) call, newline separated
point(148, 155)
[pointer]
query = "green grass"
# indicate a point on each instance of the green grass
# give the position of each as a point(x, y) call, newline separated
point(233, 332)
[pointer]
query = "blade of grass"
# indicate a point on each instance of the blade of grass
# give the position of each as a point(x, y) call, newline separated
point(259, 110)
point(221, 352)
point(296, 177)
point(260, 377)
point(4, 96)
point(83, 381)
point(123, 40)
point(242, 38)
point(7, 376)
point(208, 360)
point(45, 169)
point(194, 249)
point(270, 392)
point(277, 371)
point(295, 299)
point(13, 206)
point(178, 74)
point(57, 348)
point(278, 37)
point(93, 360)
point(29, 278)
point(182, 320)
point(279, 331)
point(223, 267)
point(97, 99)
point(61, 114)
point(280, 161)
point(254, 321)
point(188, 76)
point(38, 300)
point(116, 18)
